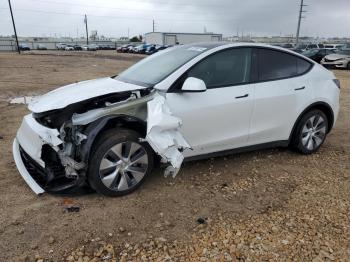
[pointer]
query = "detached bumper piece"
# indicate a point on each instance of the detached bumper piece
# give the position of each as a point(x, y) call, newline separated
point(51, 179)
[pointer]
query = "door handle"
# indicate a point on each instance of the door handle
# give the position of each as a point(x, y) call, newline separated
point(238, 97)
point(301, 88)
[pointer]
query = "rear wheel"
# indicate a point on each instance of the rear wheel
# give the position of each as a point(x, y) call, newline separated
point(348, 67)
point(311, 132)
point(119, 163)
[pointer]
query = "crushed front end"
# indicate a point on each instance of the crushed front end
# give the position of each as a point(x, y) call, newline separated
point(44, 158)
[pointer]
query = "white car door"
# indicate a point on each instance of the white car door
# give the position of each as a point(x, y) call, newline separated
point(280, 92)
point(217, 119)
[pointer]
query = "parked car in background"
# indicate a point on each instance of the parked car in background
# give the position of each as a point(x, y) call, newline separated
point(124, 48)
point(131, 49)
point(141, 49)
point(318, 54)
point(288, 46)
point(334, 46)
point(340, 59)
point(301, 47)
point(105, 47)
point(111, 47)
point(41, 47)
point(77, 47)
point(108, 133)
point(24, 47)
point(155, 48)
point(92, 47)
point(69, 48)
point(61, 46)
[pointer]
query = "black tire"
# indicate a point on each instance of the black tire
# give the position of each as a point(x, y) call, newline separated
point(348, 67)
point(102, 146)
point(299, 137)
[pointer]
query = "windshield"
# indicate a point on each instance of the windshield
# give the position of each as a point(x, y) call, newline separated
point(157, 67)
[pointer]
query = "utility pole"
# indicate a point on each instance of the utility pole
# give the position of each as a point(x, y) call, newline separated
point(299, 20)
point(86, 28)
point(153, 26)
point(14, 28)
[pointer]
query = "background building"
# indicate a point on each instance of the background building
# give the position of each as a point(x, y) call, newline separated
point(163, 38)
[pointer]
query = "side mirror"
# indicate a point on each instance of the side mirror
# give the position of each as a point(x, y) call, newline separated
point(193, 84)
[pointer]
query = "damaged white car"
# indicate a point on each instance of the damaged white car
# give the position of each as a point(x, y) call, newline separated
point(187, 102)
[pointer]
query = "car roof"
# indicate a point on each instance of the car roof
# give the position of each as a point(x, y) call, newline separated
point(224, 45)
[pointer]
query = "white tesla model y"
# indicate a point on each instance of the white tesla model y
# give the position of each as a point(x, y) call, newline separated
point(186, 102)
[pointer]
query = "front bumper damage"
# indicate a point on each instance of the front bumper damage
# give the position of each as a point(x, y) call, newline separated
point(44, 158)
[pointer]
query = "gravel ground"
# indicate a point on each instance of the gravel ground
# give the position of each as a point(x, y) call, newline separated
point(269, 205)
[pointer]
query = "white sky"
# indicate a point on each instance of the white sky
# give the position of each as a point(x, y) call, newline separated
point(113, 18)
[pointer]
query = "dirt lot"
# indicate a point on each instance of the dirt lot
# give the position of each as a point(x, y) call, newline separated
point(267, 205)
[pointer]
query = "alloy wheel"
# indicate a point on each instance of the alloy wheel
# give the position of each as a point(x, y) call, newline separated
point(313, 132)
point(123, 166)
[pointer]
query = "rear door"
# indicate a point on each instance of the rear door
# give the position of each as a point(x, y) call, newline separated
point(281, 90)
point(219, 118)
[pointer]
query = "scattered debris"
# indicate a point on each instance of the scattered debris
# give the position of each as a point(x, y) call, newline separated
point(69, 206)
point(22, 100)
point(72, 209)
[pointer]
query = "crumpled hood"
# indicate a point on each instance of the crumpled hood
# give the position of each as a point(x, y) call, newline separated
point(73, 93)
point(334, 57)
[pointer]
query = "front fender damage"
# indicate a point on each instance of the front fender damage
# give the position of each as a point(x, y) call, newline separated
point(164, 136)
point(70, 146)
point(163, 133)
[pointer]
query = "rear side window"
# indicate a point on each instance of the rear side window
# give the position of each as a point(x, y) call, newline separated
point(302, 66)
point(273, 64)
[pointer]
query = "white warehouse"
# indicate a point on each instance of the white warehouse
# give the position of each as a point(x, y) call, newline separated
point(162, 38)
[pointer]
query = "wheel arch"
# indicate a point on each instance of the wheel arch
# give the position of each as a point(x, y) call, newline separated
point(324, 107)
point(96, 128)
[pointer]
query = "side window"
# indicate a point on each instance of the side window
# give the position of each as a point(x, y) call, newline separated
point(302, 66)
point(275, 65)
point(225, 68)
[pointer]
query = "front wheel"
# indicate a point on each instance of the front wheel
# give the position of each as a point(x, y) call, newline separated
point(311, 132)
point(119, 163)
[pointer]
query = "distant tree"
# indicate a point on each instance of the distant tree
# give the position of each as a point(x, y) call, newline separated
point(135, 39)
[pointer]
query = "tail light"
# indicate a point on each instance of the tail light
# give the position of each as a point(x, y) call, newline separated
point(337, 82)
